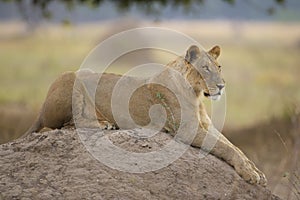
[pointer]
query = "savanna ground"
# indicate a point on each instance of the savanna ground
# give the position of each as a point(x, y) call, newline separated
point(260, 65)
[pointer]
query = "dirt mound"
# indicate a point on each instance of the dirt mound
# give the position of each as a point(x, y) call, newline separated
point(56, 165)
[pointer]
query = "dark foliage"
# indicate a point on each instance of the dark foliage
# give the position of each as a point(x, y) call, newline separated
point(148, 6)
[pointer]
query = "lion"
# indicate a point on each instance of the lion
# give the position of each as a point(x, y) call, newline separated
point(191, 77)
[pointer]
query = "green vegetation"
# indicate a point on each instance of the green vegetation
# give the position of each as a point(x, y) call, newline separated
point(260, 63)
point(30, 63)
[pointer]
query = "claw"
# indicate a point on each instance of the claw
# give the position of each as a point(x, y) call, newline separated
point(251, 174)
point(105, 125)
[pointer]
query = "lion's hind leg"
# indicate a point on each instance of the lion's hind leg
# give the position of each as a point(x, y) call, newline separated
point(85, 114)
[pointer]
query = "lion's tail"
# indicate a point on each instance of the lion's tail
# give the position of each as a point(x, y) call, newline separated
point(36, 126)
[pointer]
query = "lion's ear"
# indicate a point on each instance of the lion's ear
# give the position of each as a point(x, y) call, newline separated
point(215, 52)
point(192, 54)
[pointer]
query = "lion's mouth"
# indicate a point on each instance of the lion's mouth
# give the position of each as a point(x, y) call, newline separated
point(206, 94)
point(216, 96)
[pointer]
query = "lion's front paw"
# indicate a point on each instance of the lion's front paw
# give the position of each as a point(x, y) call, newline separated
point(251, 174)
point(105, 125)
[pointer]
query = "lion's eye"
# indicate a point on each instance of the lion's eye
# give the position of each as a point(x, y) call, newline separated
point(206, 68)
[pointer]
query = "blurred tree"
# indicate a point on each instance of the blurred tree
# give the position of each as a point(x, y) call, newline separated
point(32, 11)
point(123, 5)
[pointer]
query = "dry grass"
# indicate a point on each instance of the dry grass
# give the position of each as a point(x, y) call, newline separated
point(260, 65)
point(274, 147)
point(260, 62)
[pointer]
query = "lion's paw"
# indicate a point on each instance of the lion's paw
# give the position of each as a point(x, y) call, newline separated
point(105, 125)
point(248, 171)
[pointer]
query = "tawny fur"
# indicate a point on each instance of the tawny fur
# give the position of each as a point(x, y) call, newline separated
point(69, 101)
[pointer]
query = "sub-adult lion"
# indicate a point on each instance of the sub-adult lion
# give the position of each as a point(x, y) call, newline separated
point(69, 100)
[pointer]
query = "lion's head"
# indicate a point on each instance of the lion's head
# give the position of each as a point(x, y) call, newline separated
point(206, 74)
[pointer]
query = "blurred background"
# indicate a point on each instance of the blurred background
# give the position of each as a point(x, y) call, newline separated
point(260, 42)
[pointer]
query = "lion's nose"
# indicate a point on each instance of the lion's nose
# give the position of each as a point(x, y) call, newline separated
point(220, 86)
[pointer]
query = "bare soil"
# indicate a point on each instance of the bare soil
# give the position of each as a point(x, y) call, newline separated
point(56, 165)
